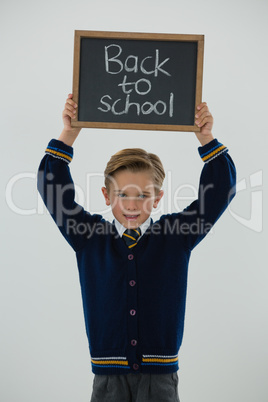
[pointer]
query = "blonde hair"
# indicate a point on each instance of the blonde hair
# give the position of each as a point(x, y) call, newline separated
point(135, 160)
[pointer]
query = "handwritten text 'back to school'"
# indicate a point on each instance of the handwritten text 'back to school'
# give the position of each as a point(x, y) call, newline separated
point(149, 66)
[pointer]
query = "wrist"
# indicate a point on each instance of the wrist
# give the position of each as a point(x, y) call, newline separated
point(204, 139)
point(69, 136)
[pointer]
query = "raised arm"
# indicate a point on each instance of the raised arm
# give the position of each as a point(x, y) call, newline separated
point(217, 181)
point(56, 187)
point(216, 186)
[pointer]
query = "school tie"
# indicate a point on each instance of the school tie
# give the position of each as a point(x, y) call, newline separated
point(131, 237)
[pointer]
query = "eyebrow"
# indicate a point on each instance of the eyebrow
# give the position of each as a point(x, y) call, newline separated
point(122, 191)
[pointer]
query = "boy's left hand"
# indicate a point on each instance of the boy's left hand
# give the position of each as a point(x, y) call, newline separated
point(204, 120)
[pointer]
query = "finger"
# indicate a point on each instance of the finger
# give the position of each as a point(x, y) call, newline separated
point(201, 105)
point(70, 107)
point(69, 113)
point(205, 120)
point(71, 102)
point(200, 116)
point(202, 109)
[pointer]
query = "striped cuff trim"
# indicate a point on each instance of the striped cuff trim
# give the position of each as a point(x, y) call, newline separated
point(110, 362)
point(156, 360)
point(59, 153)
point(214, 152)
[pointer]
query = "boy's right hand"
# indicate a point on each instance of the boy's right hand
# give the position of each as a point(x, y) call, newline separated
point(69, 112)
point(69, 133)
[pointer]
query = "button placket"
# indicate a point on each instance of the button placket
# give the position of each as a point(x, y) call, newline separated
point(132, 297)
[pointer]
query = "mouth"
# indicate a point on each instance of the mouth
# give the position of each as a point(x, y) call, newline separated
point(131, 217)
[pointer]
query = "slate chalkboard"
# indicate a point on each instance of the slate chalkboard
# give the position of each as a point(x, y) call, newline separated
point(137, 81)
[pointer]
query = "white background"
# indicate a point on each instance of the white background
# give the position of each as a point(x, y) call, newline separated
point(44, 351)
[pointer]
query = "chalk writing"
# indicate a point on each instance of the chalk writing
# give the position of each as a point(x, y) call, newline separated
point(149, 65)
point(109, 59)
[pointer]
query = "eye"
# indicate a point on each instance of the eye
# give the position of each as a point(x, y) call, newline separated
point(142, 196)
point(121, 195)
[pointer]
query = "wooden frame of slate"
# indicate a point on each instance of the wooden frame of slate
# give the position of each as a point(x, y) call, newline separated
point(141, 81)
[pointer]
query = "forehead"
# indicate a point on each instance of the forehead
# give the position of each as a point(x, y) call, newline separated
point(127, 180)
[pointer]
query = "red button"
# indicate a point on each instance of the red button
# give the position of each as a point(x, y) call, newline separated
point(136, 366)
point(130, 256)
point(134, 342)
point(132, 283)
point(132, 312)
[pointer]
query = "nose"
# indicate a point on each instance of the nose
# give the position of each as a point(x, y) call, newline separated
point(129, 204)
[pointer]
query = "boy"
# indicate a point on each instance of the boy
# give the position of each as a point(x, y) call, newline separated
point(133, 282)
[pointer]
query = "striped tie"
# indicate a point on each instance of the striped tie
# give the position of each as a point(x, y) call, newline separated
point(131, 236)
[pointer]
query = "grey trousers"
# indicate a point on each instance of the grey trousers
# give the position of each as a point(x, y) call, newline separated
point(135, 388)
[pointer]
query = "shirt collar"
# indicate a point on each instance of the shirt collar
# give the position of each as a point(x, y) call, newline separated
point(143, 227)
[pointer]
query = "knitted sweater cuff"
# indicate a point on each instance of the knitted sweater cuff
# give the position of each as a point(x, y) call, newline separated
point(211, 150)
point(59, 150)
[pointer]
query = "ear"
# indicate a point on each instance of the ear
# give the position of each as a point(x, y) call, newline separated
point(158, 198)
point(106, 195)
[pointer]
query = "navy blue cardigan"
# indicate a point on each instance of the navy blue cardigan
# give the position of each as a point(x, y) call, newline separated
point(134, 300)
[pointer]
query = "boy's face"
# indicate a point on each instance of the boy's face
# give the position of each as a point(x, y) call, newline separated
point(132, 197)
